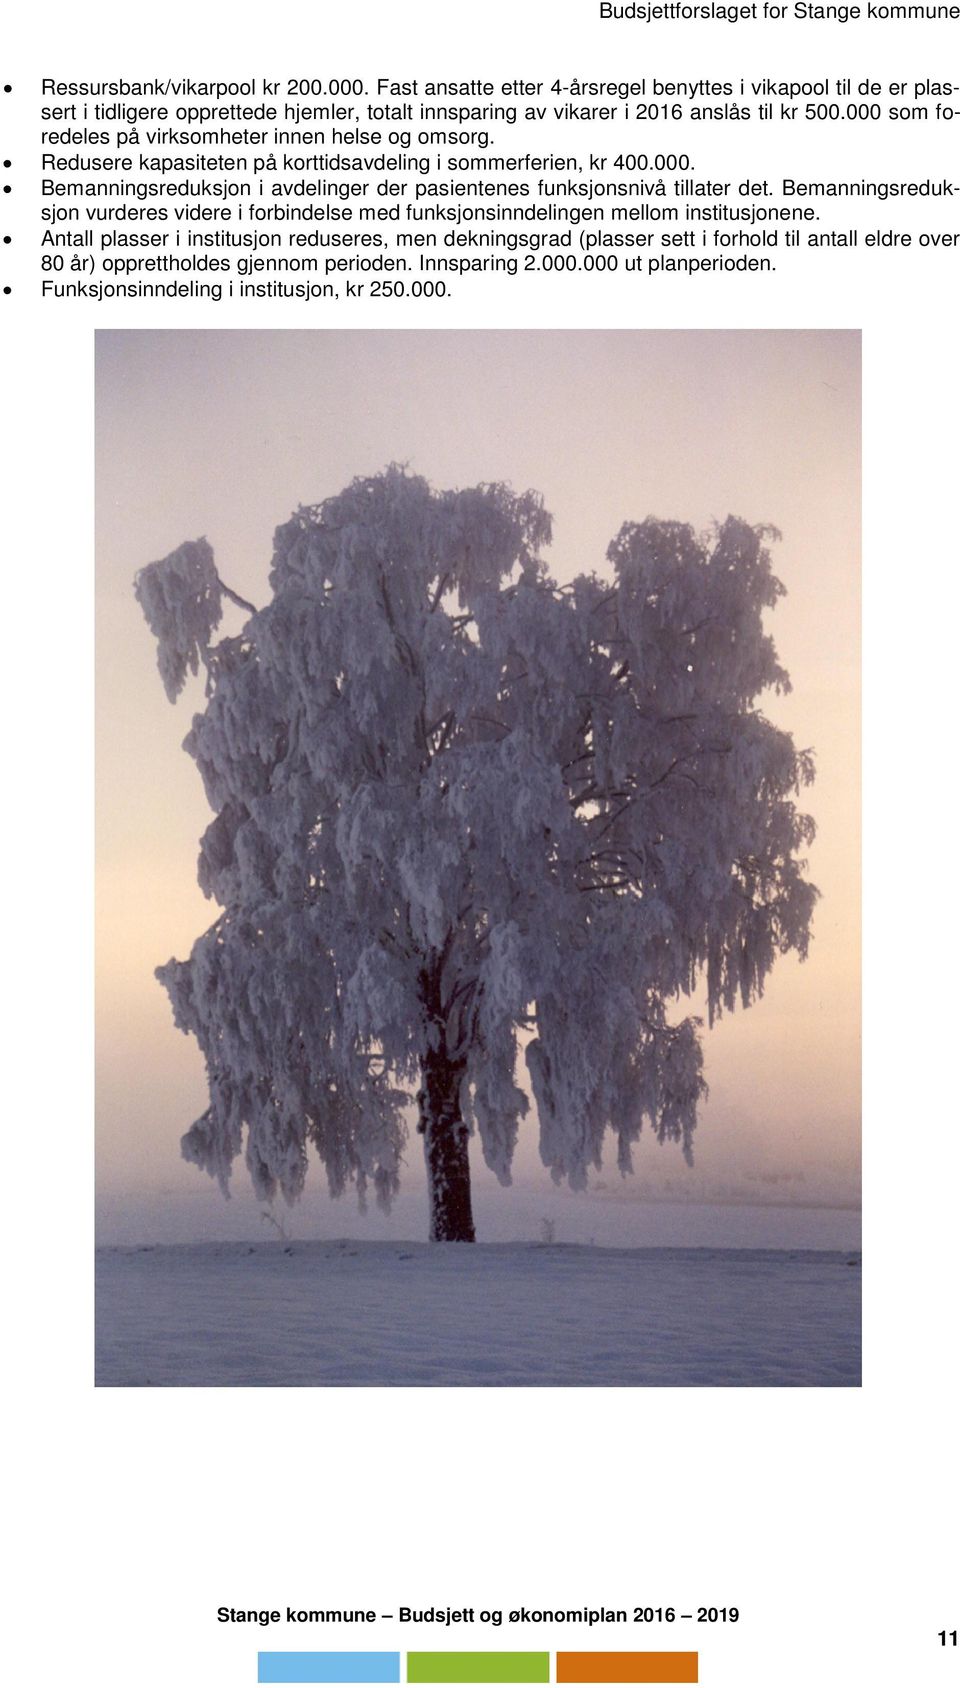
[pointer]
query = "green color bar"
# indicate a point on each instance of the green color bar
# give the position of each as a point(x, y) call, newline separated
point(478, 1667)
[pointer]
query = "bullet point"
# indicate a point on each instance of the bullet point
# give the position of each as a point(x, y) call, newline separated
point(8, 190)
point(7, 163)
point(6, 290)
point(6, 239)
point(7, 88)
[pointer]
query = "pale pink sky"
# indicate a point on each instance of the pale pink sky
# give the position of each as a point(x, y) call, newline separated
point(223, 434)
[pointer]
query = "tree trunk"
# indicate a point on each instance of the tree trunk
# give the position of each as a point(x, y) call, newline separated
point(445, 1147)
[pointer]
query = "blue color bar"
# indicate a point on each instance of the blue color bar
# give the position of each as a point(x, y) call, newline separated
point(328, 1667)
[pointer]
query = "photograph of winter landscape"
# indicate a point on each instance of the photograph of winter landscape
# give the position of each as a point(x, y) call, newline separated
point(478, 853)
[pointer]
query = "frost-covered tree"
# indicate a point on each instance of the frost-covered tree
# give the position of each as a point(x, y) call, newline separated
point(460, 808)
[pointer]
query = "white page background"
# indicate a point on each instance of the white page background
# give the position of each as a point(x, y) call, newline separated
point(825, 1516)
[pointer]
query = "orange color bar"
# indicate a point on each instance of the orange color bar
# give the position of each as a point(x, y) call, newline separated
point(627, 1667)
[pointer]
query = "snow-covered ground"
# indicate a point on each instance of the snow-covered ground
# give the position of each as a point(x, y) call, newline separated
point(352, 1312)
